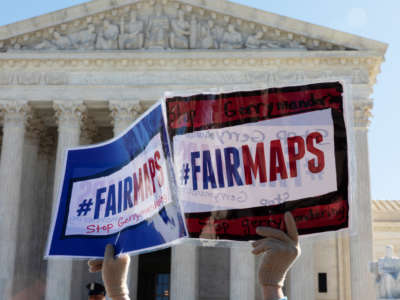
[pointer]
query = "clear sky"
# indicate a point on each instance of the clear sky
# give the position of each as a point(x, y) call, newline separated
point(373, 19)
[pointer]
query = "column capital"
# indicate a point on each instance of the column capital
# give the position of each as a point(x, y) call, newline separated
point(124, 110)
point(69, 113)
point(15, 112)
point(362, 114)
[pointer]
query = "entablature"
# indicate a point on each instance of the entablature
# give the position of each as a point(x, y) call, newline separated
point(330, 62)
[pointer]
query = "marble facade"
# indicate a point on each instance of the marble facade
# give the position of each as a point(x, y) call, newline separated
point(81, 75)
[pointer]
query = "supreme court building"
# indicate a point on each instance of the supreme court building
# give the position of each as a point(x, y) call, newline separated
point(81, 75)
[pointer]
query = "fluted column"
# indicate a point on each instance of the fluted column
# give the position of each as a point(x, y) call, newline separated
point(81, 276)
point(31, 268)
point(361, 252)
point(123, 113)
point(301, 282)
point(344, 272)
point(15, 116)
point(242, 273)
point(184, 272)
point(69, 116)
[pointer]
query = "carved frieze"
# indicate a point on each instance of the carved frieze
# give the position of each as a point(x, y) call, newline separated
point(33, 78)
point(187, 78)
point(95, 72)
point(161, 25)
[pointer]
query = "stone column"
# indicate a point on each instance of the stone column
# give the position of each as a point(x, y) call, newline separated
point(123, 113)
point(184, 272)
point(81, 277)
point(69, 115)
point(344, 273)
point(361, 253)
point(15, 116)
point(242, 273)
point(301, 281)
point(30, 270)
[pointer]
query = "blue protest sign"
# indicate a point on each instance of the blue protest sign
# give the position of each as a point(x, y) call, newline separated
point(118, 192)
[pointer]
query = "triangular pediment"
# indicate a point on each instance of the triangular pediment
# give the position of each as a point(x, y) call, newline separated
point(165, 24)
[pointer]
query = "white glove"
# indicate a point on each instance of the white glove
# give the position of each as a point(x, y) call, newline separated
point(281, 250)
point(114, 271)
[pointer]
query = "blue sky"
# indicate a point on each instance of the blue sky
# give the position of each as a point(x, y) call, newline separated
point(373, 19)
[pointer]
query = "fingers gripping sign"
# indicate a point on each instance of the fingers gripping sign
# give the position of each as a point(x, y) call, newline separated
point(114, 271)
point(280, 251)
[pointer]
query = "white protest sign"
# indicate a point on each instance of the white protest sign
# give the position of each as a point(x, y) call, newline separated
point(256, 164)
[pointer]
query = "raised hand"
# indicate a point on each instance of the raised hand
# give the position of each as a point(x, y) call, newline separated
point(114, 271)
point(280, 251)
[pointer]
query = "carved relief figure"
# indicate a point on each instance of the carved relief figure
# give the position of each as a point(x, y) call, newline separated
point(59, 43)
point(256, 41)
point(85, 39)
point(44, 45)
point(232, 39)
point(293, 45)
point(206, 37)
point(180, 32)
point(218, 34)
point(194, 32)
point(62, 41)
point(133, 37)
point(108, 37)
point(157, 30)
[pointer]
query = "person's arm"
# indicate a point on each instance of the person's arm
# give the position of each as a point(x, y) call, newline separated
point(280, 251)
point(114, 271)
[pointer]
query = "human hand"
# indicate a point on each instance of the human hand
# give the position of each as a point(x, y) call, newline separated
point(281, 250)
point(114, 271)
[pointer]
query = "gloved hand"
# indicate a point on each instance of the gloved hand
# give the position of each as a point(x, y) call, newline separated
point(114, 271)
point(281, 250)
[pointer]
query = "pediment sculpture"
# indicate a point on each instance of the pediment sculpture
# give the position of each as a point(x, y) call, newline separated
point(164, 25)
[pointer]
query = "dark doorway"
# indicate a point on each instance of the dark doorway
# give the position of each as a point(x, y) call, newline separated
point(322, 282)
point(154, 275)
